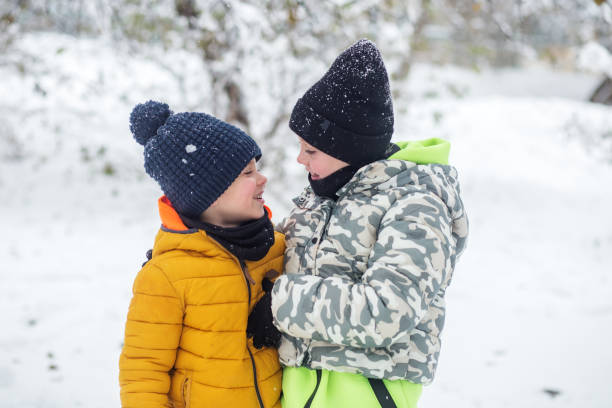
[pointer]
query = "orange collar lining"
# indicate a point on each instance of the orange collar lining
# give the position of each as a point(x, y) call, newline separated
point(169, 217)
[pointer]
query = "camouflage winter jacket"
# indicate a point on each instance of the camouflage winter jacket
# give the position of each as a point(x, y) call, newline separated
point(366, 275)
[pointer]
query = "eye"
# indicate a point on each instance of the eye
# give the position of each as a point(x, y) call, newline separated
point(310, 151)
point(250, 169)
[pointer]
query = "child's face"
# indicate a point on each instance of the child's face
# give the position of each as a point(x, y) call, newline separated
point(317, 163)
point(242, 201)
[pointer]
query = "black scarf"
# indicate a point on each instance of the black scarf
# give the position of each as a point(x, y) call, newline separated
point(251, 240)
point(328, 187)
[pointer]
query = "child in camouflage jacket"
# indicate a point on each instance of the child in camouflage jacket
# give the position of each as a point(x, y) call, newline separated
point(371, 246)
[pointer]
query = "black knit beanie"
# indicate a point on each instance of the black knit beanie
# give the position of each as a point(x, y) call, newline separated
point(193, 156)
point(348, 113)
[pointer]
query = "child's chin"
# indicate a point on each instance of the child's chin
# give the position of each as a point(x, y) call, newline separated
point(257, 214)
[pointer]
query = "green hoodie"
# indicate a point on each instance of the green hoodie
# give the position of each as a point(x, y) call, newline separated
point(426, 151)
point(334, 389)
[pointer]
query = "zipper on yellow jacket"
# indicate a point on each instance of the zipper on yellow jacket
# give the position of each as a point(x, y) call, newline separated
point(247, 280)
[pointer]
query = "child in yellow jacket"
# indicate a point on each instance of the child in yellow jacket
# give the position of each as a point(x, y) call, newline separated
point(186, 342)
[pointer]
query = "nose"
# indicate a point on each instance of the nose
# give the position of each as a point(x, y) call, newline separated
point(301, 157)
point(262, 180)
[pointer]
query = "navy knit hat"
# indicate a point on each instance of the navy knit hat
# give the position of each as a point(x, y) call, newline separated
point(348, 113)
point(193, 156)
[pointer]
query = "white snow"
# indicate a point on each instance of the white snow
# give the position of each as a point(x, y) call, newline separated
point(595, 58)
point(529, 312)
point(190, 148)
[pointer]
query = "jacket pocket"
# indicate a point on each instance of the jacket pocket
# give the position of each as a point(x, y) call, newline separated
point(186, 391)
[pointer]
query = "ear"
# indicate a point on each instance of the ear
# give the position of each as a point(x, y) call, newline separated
point(204, 216)
point(214, 204)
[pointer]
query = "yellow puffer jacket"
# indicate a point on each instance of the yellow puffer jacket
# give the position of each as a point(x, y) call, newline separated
point(185, 336)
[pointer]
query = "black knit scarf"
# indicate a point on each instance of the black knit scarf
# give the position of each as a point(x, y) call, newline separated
point(251, 240)
point(328, 187)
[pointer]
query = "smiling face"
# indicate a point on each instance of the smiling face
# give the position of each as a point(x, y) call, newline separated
point(317, 163)
point(241, 202)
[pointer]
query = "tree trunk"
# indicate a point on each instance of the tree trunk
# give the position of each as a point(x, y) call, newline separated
point(603, 93)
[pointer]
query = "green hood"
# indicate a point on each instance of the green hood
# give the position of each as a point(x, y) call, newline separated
point(426, 151)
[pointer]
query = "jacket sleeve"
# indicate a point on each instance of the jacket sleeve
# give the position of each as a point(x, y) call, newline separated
point(282, 226)
point(406, 268)
point(152, 333)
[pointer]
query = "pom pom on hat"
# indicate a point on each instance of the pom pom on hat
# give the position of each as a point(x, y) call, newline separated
point(146, 118)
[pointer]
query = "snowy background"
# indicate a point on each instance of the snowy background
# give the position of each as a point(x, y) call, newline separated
point(529, 320)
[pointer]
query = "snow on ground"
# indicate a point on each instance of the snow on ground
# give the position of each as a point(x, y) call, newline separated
point(529, 311)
